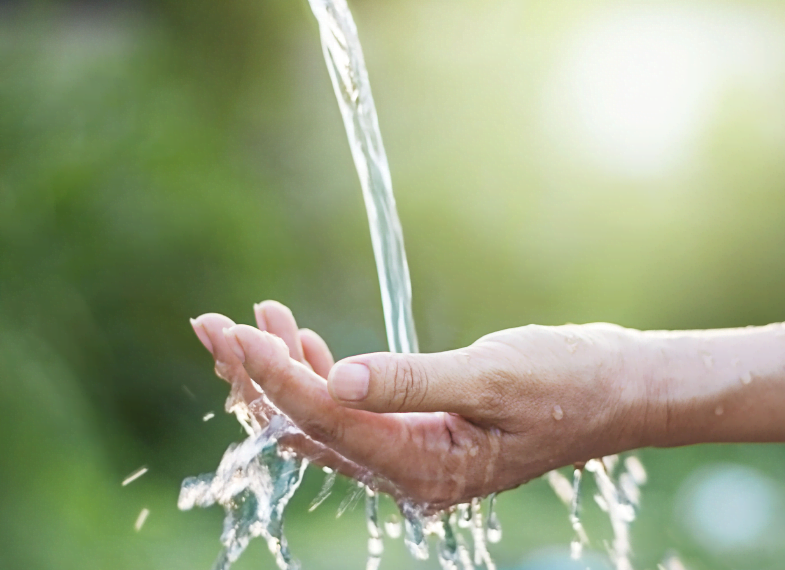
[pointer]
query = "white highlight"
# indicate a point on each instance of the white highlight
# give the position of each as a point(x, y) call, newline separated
point(639, 86)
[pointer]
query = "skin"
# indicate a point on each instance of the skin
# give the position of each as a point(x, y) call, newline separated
point(440, 429)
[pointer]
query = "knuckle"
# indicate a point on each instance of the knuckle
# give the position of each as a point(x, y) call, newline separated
point(408, 384)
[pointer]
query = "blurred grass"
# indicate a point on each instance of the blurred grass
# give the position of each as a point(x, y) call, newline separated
point(161, 160)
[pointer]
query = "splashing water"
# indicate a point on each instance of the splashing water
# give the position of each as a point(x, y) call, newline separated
point(256, 478)
point(325, 491)
point(253, 483)
point(619, 501)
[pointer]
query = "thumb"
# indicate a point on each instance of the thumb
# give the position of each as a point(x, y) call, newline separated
point(454, 381)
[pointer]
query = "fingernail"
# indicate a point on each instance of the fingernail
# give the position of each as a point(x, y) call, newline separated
point(261, 321)
point(350, 381)
point(234, 344)
point(201, 334)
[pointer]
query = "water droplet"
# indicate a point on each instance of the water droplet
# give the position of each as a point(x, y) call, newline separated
point(636, 470)
point(134, 476)
point(576, 549)
point(140, 520)
point(592, 465)
point(561, 486)
point(392, 526)
point(208, 416)
point(629, 488)
point(375, 546)
point(610, 462)
point(746, 378)
point(494, 530)
point(719, 410)
point(558, 413)
point(493, 527)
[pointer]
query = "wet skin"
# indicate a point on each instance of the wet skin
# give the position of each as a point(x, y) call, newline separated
point(440, 429)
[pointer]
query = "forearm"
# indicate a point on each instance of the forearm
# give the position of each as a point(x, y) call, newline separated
point(710, 386)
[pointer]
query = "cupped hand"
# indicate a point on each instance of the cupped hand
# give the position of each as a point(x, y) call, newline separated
point(440, 429)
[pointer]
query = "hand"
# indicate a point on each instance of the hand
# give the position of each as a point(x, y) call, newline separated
point(440, 429)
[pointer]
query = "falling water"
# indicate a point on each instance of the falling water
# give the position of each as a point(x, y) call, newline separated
point(346, 65)
point(256, 478)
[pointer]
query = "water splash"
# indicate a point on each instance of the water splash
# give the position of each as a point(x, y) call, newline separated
point(253, 483)
point(619, 501)
point(414, 536)
point(325, 491)
point(350, 500)
point(375, 534)
point(580, 540)
point(569, 494)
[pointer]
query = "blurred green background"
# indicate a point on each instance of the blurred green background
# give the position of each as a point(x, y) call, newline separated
point(553, 160)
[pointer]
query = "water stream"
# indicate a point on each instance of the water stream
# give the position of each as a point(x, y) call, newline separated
point(256, 478)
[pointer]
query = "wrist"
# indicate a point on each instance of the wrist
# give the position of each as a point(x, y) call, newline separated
point(617, 396)
point(646, 367)
point(633, 394)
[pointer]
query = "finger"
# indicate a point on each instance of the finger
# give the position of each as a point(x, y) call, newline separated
point(209, 329)
point(316, 352)
point(373, 440)
point(277, 319)
point(457, 381)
